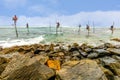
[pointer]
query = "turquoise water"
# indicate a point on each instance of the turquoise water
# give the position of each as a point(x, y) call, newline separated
point(65, 35)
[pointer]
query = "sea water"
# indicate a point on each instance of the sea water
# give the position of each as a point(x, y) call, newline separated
point(48, 35)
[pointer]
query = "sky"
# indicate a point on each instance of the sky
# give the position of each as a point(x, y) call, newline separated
point(101, 13)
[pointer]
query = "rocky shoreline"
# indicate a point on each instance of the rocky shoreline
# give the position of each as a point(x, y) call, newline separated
point(60, 62)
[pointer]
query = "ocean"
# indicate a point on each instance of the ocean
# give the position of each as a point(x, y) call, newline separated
point(48, 35)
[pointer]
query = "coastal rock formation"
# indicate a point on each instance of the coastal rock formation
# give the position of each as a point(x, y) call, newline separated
point(60, 62)
point(26, 68)
point(83, 70)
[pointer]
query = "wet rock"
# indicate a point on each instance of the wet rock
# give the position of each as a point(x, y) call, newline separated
point(81, 71)
point(84, 54)
point(67, 58)
point(111, 64)
point(114, 51)
point(3, 60)
point(108, 45)
point(73, 49)
point(116, 57)
point(21, 67)
point(115, 68)
point(115, 39)
point(2, 67)
point(107, 60)
point(41, 58)
point(75, 53)
point(76, 58)
point(64, 48)
point(107, 73)
point(35, 71)
point(54, 64)
point(37, 51)
point(92, 55)
point(116, 78)
point(88, 50)
point(101, 52)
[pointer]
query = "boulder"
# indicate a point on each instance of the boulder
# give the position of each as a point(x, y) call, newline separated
point(112, 64)
point(114, 51)
point(92, 55)
point(25, 68)
point(2, 67)
point(81, 70)
point(101, 52)
point(54, 64)
point(35, 71)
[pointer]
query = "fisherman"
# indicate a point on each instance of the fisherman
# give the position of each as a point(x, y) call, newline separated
point(27, 26)
point(112, 28)
point(58, 24)
point(79, 27)
point(88, 28)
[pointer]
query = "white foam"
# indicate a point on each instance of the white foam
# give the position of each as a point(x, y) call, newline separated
point(19, 42)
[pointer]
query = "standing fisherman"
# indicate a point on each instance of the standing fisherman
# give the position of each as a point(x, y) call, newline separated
point(112, 29)
point(57, 26)
point(15, 20)
point(79, 27)
point(27, 26)
point(88, 29)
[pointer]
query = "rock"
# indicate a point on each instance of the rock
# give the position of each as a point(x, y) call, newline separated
point(107, 60)
point(107, 73)
point(116, 78)
point(64, 48)
point(116, 57)
point(41, 58)
point(2, 67)
point(101, 52)
point(75, 53)
point(37, 51)
point(67, 58)
point(115, 67)
point(75, 58)
point(111, 64)
point(54, 64)
point(84, 54)
point(19, 64)
point(75, 45)
point(35, 71)
point(81, 71)
point(115, 39)
point(108, 45)
point(73, 49)
point(92, 55)
point(114, 51)
point(60, 54)
point(88, 50)
point(3, 60)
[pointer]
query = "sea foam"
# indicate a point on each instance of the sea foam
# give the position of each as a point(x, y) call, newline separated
point(18, 42)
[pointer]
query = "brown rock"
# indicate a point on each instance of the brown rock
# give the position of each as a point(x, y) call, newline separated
point(35, 71)
point(25, 68)
point(82, 70)
point(114, 51)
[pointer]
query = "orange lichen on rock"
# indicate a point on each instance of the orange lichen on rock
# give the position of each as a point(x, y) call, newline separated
point(54, 64)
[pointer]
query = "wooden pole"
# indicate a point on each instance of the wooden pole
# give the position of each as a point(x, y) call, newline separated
point(88, 29)
point(15, 20)
point(57, 26)
point(79, 28)
point(93, 27)
point(50, 26)
point(27, 26)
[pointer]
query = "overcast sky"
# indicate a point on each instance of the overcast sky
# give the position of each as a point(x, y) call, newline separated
point(68, 12)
